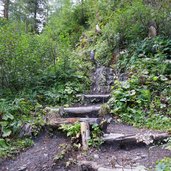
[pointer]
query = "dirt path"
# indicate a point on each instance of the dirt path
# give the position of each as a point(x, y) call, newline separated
point(109, 155)
point(40, 156)
point(37, 158)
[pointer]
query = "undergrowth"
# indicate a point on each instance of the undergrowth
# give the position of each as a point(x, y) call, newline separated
point(74, 131)
point(54, 66)
point(144, 98)
point(10, 147)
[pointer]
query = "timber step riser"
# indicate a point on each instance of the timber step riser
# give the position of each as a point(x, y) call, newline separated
point(94, 98)
point(89, 111)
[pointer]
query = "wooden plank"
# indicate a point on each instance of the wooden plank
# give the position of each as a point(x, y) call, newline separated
point(95, 98)
point(79, 110)
point(74, 111)
point(94, 95)
point(84, 111)
point(146, 138)
point(56, 122)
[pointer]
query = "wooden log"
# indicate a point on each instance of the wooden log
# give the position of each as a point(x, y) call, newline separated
point(94, 95)
point(56, 122)
point(146, 138)
point(52, 111)
point(95, 98)
point(80, 111)
point(74, 111)
point(85, 134)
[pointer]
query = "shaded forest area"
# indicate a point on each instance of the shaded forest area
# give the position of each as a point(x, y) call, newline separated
point(45, 61)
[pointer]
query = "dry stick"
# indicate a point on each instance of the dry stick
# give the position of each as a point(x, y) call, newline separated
point(85, 134)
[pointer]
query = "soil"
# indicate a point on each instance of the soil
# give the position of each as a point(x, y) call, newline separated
point(40, 157)
point(110, 155)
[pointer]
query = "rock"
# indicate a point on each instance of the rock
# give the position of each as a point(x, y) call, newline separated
point(137, 158)
point(46, 155)
point(23, 168)
point(98, 30)
point(96, 156)
point(152, 32)
point(144, 156)
point(26, 130)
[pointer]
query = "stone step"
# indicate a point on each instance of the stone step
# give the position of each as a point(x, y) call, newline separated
point(94, 98)
point(84, 111)
point(146, 138)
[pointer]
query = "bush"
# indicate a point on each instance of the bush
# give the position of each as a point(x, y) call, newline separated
point(124, 23)
point(144, 99)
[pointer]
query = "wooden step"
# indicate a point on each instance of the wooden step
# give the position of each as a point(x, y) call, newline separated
point(85, 111)
point(56, 122)
point(93, 98)
point(146, 138)
point(98, 96)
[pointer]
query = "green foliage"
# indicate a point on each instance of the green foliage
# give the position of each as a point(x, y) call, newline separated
point(51, 67)
point(72, 130)
point(163, 165)
point(168, 145)
point(18, 112)
point(23, 57)
point(104, 110)
point(96, 134)
point(9, 147)
point(38, 70)
point(144, 99)
point(124, 22)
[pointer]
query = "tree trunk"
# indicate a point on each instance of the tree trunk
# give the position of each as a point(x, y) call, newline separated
point(6, 9)
point(35, 17)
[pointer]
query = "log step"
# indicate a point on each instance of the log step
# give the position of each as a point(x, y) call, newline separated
point(56, 122)
point(86, 111)
point(146, 138)
point(94, 98)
